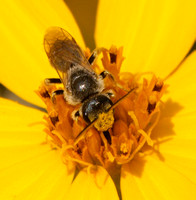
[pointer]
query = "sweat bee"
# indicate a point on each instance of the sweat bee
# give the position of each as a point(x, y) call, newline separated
point(82, 85)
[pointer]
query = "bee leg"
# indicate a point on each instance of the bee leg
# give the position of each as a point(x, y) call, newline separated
point(75, 114)
point(94, 54)
point(57, 92)
point(105, 74)
point(110, 93)
point(49, 81)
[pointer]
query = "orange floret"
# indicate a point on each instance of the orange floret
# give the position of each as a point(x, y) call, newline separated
point(129, 125)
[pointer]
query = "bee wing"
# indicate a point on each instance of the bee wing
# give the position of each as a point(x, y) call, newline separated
point(63, 51)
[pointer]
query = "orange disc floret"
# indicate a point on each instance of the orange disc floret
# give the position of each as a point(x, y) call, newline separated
point(129, 124)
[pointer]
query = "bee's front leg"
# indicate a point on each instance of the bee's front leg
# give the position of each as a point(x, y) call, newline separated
point(105, 74)
point(75, 114)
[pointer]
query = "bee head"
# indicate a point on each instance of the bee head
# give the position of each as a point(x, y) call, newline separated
point(98, 107)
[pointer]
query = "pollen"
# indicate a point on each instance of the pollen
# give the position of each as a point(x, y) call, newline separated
point(116, 136)
point(105, 121)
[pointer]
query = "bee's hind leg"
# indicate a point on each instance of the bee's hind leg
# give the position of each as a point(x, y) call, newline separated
point(49, 81)
point(56, 92)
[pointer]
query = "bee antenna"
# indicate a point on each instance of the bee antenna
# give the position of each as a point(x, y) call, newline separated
point(82, 133)
point(122, 98)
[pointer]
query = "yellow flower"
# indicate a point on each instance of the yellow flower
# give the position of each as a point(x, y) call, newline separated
point(156, 36)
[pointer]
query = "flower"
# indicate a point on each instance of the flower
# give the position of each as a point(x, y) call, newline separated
point(155, 37)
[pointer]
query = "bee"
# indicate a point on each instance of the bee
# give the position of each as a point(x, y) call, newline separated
point(82, 85)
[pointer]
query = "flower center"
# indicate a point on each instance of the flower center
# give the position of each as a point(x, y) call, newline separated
point(117, 135)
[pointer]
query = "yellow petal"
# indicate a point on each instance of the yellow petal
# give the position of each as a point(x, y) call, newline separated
point(169, 170)
point(179, 154)
point(184, 164)
point(24, 63)
point(178, 114)
point(20, 125)
point(16, 154)
point(156, 35)
point(94, 184)
point(154, 180)
point(128, 184)
point(175, 144)
point(29, 169)
point(175, 133)
point(182, 86)
point(177, 124)
point(40, 177)
point(21, 133)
